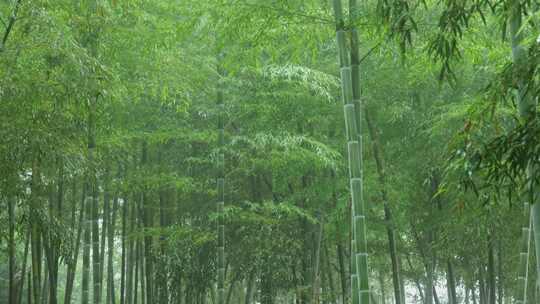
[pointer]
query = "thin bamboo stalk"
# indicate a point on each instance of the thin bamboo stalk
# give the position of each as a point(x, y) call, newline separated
point(221, 196)
point(523, 268)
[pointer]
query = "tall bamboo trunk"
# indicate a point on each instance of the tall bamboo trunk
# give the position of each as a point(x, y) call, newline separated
point(29, 289)
point(435, 296)
point(250, 282)
point(123, 273)
point(105, 223)
point(20, 294)
point(500, 278)
point(131, 259)
point(389, 222)
point(316, 263)
point(266, 288)
point(523, 268)
point(60, 217)
point(430, 277)
point(44, 288)
point(328, 270)
point(35, 229)
point(86, 249)
point(147, 218)
point(220, 193)
point(51, 243)
point(358, 203)
point(96, 250)
point(110, 296)
point(482, 285)
point(527, 111)
point(80, 224)
point(381, 286)
point(359, 267)
point(451, 281)
point(491, 272)
point(51, 276)
point(163, 273)
point(342, 271)
point(142, 264)
point(136, 271)
point(93, 204)
point(11, 250)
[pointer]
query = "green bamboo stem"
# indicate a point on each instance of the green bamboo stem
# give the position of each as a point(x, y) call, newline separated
point(220, 198)
point(96, 255)
point(390, 231)
point(527, 111)
point(105, 223)
point(35, 229)
point(86, 250)
point(72, 265)
point(360, 219)
point(11, 249)
point(147, 219)
point(20, 295)
point(359, 271)
point(523, 268)
point(90, 217)
point(123, 267)
point(110, 295)
point(131, 258)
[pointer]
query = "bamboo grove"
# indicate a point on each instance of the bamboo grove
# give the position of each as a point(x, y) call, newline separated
point(269, 152)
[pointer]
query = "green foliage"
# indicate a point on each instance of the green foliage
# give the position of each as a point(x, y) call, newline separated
point(151, 68)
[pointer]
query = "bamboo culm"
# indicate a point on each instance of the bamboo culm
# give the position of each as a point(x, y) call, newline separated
point(359, 267)
point(221, 195)
point(390, 231)
point(523, 268)
point(527, 111)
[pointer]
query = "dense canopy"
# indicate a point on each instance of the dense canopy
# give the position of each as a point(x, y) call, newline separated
point(269, 152)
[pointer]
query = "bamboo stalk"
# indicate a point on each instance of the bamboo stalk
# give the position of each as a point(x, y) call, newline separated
point(221, 196)
point(359, 265)
point(523, 268)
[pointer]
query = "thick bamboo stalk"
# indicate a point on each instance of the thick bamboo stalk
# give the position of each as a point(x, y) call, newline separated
point(359, 222)
point(359, 274)
point(527, 111)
